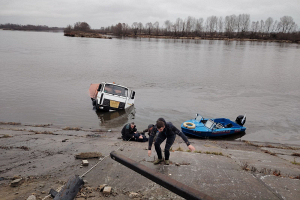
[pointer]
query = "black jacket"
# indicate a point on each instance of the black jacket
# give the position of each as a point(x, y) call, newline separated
point(169, 130)
point(128, 132)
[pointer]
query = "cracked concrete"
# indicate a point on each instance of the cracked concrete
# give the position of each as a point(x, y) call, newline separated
point(47, 159)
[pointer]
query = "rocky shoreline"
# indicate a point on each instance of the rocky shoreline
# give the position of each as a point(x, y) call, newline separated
point(36, 158)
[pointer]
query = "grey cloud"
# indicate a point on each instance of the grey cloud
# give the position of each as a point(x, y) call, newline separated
point(105, 13)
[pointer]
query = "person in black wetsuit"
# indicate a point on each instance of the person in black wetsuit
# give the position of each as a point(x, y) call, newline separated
point(149, 129)
point(129, 132)
point(166, 130)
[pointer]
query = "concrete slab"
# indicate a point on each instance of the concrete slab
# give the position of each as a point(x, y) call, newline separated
point(50, 162)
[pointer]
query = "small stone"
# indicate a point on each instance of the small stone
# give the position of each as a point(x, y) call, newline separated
point(89, 189)
point(85, 182)
point(16, 182)
point(106, 190)
point(43, 192)
point(133, 195)
point(101, 187)
point(31, 197)
point(85, 162)
point(16, 177)
point(177, 164)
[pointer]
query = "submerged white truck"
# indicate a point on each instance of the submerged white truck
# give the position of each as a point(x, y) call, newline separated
point(111, 96)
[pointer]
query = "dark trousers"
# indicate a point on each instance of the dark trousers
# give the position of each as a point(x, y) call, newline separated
point(160, 138)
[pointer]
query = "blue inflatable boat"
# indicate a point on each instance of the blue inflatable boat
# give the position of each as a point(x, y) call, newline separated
point(204, 127)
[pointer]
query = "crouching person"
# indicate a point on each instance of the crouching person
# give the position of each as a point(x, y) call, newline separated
point(129, 132)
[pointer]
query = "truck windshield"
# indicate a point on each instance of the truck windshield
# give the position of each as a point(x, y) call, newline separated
point(115, 90)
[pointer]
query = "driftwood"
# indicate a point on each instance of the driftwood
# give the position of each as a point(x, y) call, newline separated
point(88, 155)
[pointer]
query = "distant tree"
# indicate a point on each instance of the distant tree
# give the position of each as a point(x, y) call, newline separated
point(189, 25)
point(255, 28)
point(199, 26)
point(230, 24)
point(177, 25)
point(82, 26)
point(118, 29)
point(149, 27)
point(275, 27)
point(268, 25)
point(287, 24)
point(125, 28)
point(261, 28)
point(220, 25)
point(168, 25)
point(245, 22)
point(182, 25)
point(140, 26)
point(77, 26)
point(68, 28)
point(156, 28)
point(134, 27)
point(211, 24)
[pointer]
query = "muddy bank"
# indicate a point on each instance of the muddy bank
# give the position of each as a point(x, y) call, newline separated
point(43, 156)
point(84, 34)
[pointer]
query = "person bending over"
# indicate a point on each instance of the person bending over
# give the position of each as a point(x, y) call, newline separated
point(166, 130)
point(149, 129)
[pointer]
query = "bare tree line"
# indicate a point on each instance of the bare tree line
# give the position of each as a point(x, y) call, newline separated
point(29, 27)
point(232, 26)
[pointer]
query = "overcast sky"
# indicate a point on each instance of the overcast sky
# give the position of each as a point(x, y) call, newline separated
point(100, 13)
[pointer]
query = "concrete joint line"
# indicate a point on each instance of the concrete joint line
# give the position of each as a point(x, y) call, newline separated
point(268, 187)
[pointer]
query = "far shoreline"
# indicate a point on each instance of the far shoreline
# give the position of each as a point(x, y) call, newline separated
point(98, 35)
point(215, 38)
point(104, 36)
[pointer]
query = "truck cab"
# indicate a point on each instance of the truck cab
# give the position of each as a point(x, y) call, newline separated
point(111, 96)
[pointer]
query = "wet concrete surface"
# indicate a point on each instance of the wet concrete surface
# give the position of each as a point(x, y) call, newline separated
point(44, 157)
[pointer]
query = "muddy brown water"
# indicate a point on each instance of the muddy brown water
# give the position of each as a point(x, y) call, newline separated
point(45, 79)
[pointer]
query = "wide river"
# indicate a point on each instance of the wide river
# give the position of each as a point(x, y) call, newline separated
point(45, 79)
